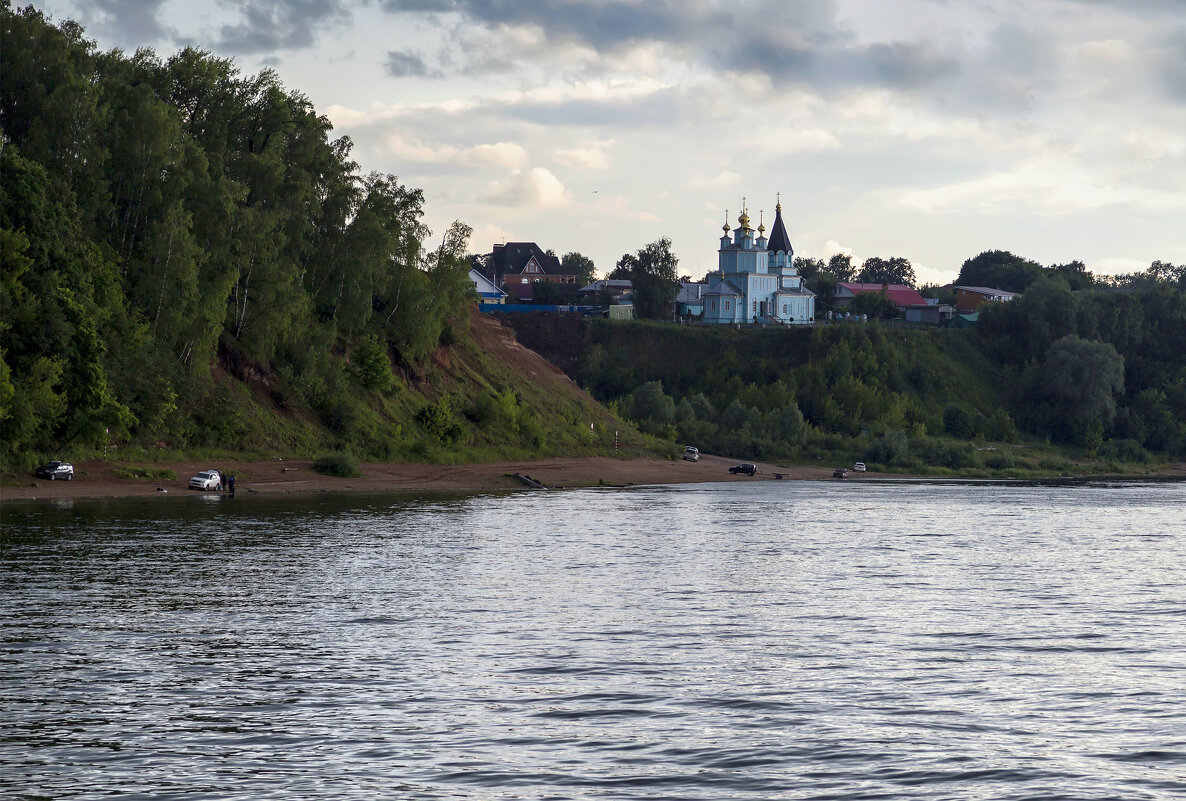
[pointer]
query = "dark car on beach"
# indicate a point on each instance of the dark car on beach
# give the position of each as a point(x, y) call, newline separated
point(55, 470)
point(744, 469)
point(840, 472)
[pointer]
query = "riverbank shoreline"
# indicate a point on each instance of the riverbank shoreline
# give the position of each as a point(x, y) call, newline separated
point(98, 479)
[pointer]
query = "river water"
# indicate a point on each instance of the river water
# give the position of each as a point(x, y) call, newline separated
point(806, 640)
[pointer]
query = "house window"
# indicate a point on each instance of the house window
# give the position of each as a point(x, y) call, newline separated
point(712, 304)
point(728, 305)
point(784, 308)
point(755, 307)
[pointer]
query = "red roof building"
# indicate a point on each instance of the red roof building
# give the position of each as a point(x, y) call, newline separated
point(902, 295)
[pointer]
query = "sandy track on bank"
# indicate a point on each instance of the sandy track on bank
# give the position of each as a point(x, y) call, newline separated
point(97, 479)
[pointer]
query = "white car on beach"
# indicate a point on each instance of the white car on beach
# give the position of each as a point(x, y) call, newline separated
point(205, 480)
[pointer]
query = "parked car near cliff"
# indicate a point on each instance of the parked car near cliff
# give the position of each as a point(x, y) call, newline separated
point(691, 454)
point(55, 470)
point(744, 469)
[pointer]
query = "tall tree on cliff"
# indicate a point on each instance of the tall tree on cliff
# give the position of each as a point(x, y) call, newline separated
point(653, 276)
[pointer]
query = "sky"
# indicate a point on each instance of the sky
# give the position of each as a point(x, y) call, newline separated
point(929, 129)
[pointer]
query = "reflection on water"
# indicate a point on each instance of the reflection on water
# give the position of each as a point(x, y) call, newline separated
point(759, 641)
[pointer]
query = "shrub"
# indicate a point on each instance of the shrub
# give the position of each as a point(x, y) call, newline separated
point(999, 460)
point(371, 362)
point(440, 420)
point(338, 464)
point(944, 453)
point(145, 473)
point(1124, 450)
point(958, 422)
point(890, 448)
point(1054, 463)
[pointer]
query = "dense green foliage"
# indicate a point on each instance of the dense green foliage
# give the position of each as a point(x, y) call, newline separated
point(191, 261)
point(790, 393)
point(341, 465)
point(653, 279)
point(897, 270)
point(1000, 269)
point(1108, 362)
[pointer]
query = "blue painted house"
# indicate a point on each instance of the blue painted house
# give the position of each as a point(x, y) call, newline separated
point(756, 280)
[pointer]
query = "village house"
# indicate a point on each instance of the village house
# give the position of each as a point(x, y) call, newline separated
point(613, 289)
point(970, 298)
point(930, 313)
point(689, 301)
point(756, 280)
point(487, 291)
point(516, 267)
point(900, 295)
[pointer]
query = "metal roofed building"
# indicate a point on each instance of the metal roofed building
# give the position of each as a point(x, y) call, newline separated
point(970, 298)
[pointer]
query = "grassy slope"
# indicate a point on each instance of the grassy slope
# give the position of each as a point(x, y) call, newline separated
point(501, 401)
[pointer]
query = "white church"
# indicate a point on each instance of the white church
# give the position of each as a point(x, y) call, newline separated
point(756, 280)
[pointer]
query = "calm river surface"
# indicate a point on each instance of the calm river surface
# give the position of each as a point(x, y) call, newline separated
point(807, 640)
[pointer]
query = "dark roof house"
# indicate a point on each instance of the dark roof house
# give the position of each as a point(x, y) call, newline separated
point(517, 266)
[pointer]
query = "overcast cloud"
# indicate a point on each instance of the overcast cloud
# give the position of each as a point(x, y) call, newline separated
point(918, 128)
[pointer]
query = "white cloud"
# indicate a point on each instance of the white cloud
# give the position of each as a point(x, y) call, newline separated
point(722, 180)
point(534, 188)
point(1110, 52)
point(487, 235)
point(500, 154)
point(832, 247)
point(930, 275)
point(786, 140)
point(619, 206)
point(1054, 182)
point(589, 157)
point(1119, 266)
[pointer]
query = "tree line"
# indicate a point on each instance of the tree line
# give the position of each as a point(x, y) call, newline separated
point(163, 216)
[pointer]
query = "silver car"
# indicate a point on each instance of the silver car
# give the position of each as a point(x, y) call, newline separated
point(205, 480)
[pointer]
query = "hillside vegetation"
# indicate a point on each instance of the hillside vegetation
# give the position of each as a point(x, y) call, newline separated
point(1096, 376)
point(191, 263)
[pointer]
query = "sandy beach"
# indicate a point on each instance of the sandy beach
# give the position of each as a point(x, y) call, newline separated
point(97, 479)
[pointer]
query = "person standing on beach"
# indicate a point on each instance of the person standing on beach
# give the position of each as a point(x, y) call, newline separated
point(230, 483)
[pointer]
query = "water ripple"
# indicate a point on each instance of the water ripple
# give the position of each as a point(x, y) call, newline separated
point(787, 640)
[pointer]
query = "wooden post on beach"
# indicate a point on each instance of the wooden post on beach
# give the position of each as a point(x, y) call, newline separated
point(615, 443)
